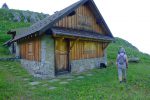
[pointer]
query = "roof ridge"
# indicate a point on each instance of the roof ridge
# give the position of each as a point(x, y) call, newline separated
point(48, 20)
point(41, 26)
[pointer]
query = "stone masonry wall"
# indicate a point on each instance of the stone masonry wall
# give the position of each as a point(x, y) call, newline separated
point(86, 64)
point(45, 68)
point(17, 50)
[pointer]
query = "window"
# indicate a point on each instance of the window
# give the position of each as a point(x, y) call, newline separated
point(89, 48)
point(30, 49)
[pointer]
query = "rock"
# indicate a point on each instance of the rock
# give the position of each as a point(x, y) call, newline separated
point(63, 82)
point(9, 59)
point(5, 6)
point(89, 74)
point(52, 88)
point(44, 85)
point(80, 77)
point(25, 19)
point(26, 16)
point(34, 18)
point(134, 59)
point(69, 79)
point(17, 17)
point(34, 83)
point(54, 80)
point(25, 79)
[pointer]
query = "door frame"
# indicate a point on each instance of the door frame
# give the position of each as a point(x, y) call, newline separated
point(68, 58)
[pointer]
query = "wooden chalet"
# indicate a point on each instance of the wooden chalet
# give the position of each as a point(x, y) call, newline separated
point(71, 40)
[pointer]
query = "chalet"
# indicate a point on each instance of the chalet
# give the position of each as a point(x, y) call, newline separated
point(71, 40)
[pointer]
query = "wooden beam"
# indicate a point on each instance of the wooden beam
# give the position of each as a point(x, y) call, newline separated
point(77, 39)
point(62, 38)
point(104, 45)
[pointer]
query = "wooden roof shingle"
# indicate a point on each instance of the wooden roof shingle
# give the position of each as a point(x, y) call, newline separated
point(47, 23)
point(57, 31)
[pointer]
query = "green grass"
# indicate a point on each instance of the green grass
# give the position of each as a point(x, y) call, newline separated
point(103, 85)
point(5, 26)
point(131, 51)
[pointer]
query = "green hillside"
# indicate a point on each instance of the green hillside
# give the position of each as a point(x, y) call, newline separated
point(97, 84)
point(12, 19)
point(5, 26)
point(7, 22)
point(131, 50)
point(21, 16)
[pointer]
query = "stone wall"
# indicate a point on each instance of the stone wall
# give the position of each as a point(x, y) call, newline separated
point(17, 54)
point(44, 68)
point(86, 64)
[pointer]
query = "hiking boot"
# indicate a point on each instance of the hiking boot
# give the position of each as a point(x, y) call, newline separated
point(124, 80)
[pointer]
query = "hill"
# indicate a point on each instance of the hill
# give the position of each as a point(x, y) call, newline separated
point(97, 84)
point(21, 16)
point(12, 19)
point(131, 50)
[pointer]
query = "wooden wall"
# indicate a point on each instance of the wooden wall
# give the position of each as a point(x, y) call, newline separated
point(30, 49)
point(83, 19)
point(85, 50)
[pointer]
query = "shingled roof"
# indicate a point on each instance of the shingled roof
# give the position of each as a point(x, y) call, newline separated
point(57, 31)
point(47, 23)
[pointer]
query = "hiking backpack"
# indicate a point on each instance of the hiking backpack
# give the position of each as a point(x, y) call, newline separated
point(121, 59)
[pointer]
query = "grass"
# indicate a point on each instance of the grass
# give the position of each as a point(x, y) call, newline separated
point(131, 51)
point(5, 26)
point(102, 85)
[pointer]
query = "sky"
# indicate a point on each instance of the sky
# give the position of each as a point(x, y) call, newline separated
point(127, 19)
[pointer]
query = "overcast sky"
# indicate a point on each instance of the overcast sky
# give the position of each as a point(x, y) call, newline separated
point(128, 19)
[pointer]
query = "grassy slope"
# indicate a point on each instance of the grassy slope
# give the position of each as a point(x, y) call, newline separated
point(102, 85)
point(5, 26)
point(130, 50)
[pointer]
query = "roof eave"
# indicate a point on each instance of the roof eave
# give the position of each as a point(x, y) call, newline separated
point(62, 16)
point(99, 15)
point(85, 38)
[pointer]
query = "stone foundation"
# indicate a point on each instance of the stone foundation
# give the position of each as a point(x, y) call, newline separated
point(38, 69)
point(86, 64)
point(45, 68)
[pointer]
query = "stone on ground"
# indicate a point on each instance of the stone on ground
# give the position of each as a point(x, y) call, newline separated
point(25, 79)
point(54, 80)
point(89, 74)
point(52, 88)
point(44, 85)
point(69, 79)
point(34, 83)
point(63, 82)
point(80, 77)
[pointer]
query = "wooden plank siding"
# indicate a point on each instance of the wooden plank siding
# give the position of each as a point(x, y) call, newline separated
point(83, 19)
point(86, 49)
point(31, 49)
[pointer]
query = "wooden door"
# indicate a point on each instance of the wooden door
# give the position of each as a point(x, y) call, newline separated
point(62, 55)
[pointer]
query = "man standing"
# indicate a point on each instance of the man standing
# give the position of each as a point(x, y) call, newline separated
point(122, 64)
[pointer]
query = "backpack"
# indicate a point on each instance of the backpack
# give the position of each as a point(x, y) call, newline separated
point(121, 59)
